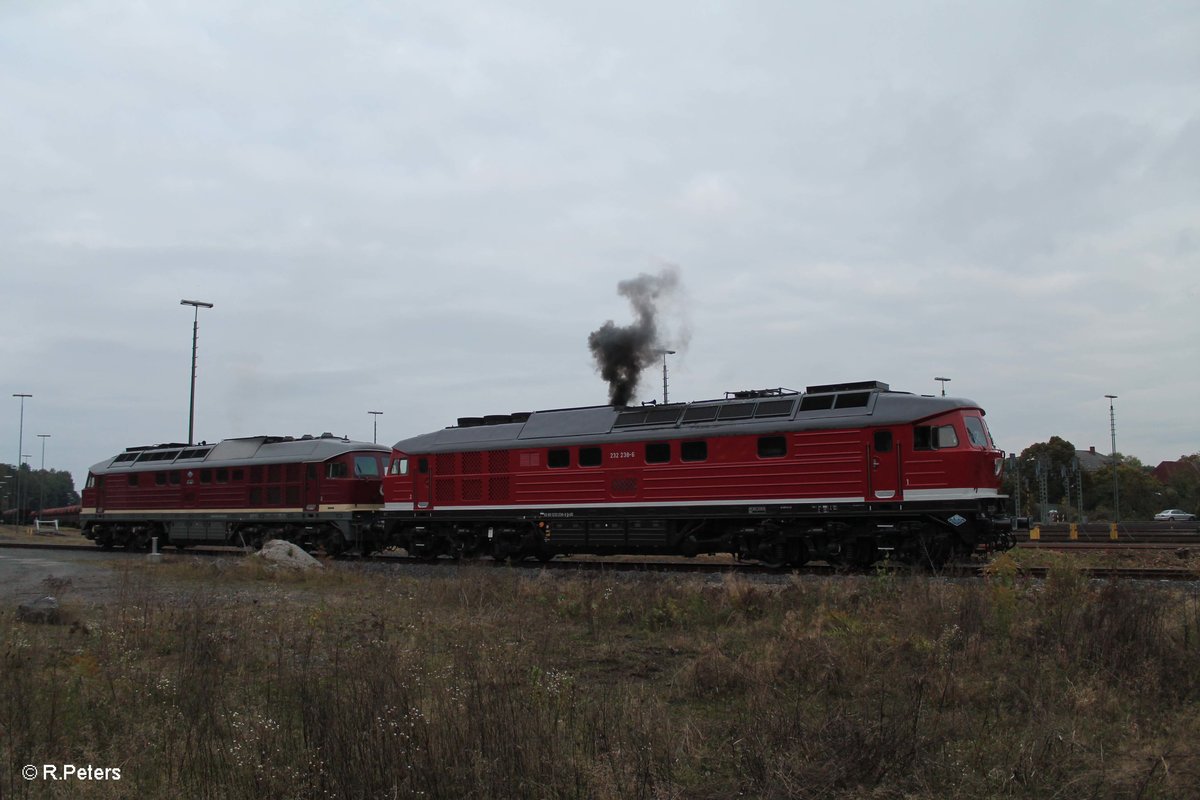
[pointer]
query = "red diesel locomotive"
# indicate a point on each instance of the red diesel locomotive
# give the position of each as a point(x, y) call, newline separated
point(847, 473)
point(320, 492)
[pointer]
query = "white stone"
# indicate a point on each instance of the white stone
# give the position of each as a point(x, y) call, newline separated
point(286, 554)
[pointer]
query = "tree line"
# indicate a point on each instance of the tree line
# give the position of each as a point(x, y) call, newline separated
point(1140, 494)
point(40, 488)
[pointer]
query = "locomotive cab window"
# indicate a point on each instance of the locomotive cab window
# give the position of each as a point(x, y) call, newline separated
point(589, 457)
point(772, 447)
point(337, 469)
point(976, 432)
point(399, 466)
point(658, 452)
point(558, 459)
point(693, 451)
point(366, 467)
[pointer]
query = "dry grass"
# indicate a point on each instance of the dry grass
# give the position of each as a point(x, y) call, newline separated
point(205, 680)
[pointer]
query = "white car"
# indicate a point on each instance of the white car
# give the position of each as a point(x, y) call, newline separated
point(1174, 515)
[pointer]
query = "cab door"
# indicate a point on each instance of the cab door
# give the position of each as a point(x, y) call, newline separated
point(423, 483)
point(883, 466)
point(312, 489)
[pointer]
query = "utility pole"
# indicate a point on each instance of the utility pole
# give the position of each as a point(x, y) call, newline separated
point(42, 477)
point(20, 447)
point(1112, 426)
point(375, 425)
point(197, 305)
point(664, 354)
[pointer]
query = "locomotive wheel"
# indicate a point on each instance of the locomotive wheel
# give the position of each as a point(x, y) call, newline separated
point(774, 555)
point(862, 553)
point(334, 544)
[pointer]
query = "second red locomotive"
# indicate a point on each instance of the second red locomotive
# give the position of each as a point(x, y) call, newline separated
point(318, 491)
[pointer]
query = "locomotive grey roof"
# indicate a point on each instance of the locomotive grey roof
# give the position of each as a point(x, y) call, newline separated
point(821, 407)
point(233, 453)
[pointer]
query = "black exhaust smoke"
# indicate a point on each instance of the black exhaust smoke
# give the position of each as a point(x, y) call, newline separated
point(622, 352)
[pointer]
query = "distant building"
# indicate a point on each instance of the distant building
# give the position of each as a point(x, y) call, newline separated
point(1169, 469)
point(1090, 460)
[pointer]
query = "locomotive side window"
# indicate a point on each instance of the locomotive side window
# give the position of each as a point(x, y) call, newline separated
point(693, 451)
point(133, 481)
point(160, 479)
point(399, 466)
point(883, 441)
point(206, 476)
point(931, 437)
point(222, 475)
point(337, 469)
point(558, 459)
point(589, 457)
point(772, 447)
point(173, 477)
point(423, 466)
point(658, 452)
point(310, 472)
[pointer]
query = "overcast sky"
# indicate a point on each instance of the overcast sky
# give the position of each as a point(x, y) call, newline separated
point(425, 208)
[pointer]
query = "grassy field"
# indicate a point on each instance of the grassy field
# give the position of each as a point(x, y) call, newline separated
point(207, 679)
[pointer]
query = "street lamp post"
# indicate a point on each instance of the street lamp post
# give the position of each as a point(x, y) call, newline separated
point(944, 382)
point(24, 458)
point(1112, 427)
point(664, 353)
point(42, 477)
point(20, 447)
point(197, 305)
point(375, 425)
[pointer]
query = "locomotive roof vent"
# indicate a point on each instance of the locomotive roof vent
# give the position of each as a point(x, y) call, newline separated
point(746, 394)
point(494, 419)
point(856, 386)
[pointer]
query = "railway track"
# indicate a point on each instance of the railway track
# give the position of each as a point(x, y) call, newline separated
point(710, 566)
point(1124, 534)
